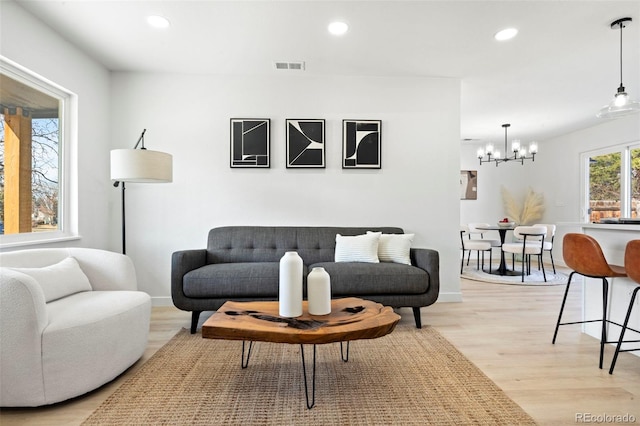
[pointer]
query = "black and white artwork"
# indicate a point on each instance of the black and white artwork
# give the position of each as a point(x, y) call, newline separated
point(250, 142)
point(361, 144)
point(305, 144)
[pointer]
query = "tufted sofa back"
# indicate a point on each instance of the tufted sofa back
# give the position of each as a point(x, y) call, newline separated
point(315, 244)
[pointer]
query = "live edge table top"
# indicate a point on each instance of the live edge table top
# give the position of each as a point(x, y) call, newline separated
point(350, 319)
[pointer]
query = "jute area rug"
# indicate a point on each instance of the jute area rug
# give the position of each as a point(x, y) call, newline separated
point(412, 376)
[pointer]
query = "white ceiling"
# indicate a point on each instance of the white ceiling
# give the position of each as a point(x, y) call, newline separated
point(550, 80)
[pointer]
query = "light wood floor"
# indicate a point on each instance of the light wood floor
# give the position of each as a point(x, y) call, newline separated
point(505, 330)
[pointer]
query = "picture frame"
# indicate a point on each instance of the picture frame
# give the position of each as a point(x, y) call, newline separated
point(250, 140)
point(361, 143)
point(468, 184)
point(305, 140)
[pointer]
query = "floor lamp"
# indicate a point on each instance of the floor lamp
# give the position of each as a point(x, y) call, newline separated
point(139, 165)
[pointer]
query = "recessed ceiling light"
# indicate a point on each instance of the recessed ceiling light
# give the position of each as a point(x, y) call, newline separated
point(506, 34)
point(338, 28)
point(157, 21)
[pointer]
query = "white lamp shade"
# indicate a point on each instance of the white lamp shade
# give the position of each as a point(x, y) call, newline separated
point(141, 165)
point(614, 111)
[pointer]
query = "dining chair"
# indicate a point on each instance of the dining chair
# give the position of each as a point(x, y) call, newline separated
point(531, 243)
point(632, 266)
point(548, 242)
point(476, 245)
point(475, 229)
point(584, 256)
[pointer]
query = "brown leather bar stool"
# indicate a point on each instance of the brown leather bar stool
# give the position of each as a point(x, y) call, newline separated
point(583, 254)
point(632, 265)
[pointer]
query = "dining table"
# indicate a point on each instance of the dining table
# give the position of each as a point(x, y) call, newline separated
point(502, 231)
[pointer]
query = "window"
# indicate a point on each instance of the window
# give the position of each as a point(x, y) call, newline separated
point(35, 123)
point(613, 177)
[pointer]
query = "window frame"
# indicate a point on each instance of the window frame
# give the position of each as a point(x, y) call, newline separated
point(625, 177)
point(67, 159)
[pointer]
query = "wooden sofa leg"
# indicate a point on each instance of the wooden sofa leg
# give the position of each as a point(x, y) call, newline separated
point(416, 315)
point(195, 316)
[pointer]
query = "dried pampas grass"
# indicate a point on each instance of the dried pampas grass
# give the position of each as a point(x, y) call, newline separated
point(532, 208)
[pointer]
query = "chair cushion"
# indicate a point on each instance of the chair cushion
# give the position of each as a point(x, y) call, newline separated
point(60, 279)
point(530, 248)
point(477, 245)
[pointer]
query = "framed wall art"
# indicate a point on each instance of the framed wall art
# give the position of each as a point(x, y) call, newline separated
point(361, 144)
point(305, 143)
point(250, 142)
point(468, 184)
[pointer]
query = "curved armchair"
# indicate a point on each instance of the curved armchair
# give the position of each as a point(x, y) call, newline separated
point(71, 321)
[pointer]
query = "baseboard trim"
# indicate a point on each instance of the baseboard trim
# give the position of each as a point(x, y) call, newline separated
point(449, 297)
point(161, 301)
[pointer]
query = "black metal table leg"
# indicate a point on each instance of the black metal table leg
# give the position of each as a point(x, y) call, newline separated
point(313, 379)
point(344, 357)
point(245, 362)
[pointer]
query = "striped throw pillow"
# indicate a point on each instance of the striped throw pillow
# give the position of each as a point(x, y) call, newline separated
point(358, 248)
point(395, 248)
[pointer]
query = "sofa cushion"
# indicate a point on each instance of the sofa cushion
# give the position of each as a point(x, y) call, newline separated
point(357, 248)
point(229, 280)
point(60, 279)
point(362, 279)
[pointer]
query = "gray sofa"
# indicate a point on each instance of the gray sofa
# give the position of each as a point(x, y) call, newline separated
point(241, 263)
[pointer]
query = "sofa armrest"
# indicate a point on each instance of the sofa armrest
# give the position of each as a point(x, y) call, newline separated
point(182, 262)
point(429, 260)
point(23, 317)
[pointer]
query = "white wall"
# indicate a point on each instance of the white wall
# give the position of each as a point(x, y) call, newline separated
point(188, 116)
point(555, 173)
point(516, 178)
point(28, 42)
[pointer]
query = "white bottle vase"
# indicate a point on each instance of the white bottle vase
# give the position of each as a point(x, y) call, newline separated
point(290, 288)
point(319, 292)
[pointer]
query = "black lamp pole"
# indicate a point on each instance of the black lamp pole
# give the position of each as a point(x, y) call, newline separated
point(116, 183)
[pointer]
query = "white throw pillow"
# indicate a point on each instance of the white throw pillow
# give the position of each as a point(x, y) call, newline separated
point(395, 248)
point(59, 280)
point(359, 248)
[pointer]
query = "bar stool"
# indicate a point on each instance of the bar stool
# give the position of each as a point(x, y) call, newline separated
point(583, 254)
point(632, 265)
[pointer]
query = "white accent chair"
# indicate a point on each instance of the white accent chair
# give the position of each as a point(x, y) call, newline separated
point(71, 320)
point(548, 241)
point(474, 230)
point(473, 245)
point(531, 243)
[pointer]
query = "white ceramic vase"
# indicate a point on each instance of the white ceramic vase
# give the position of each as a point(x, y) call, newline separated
point(290, 286)
point(319, 292)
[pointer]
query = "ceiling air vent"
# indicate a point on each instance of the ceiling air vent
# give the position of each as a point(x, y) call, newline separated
point(281, 65)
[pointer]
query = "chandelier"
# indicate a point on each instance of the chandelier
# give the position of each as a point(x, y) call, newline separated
point(621, 105)
point(518, 150)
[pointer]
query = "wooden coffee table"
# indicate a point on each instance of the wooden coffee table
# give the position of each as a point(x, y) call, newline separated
point(350, 319)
